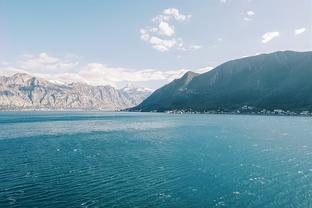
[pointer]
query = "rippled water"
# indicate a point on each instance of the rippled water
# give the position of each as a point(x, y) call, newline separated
point(96, 159)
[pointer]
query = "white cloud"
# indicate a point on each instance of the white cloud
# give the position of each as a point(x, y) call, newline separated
point(92, 73)
point(161, 44)
point(195, 47)
point(223, 1)
point(160, 18)
point(250, 13)
point(45, 63)
point(267, 37)
point(98, 73)
point(157, 43)
point(204, 69)
point(144, 35)
point(162, 35)
point(300, 31)
point(166, 29)
point(173, 12)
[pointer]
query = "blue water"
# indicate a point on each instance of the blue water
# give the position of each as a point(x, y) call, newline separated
point(92, 159)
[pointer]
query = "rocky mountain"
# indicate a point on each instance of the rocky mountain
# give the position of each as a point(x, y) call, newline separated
point(23, 91)
point(280, 80)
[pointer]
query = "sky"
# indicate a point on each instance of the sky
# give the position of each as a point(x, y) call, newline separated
point(145, 42)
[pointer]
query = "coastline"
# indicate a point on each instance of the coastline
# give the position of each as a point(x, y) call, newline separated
point(173, 112)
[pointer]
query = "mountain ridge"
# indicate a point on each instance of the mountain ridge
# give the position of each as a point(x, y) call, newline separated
point(22, 91)
point(279, 80)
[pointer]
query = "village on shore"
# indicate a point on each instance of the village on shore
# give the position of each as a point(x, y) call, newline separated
point(248, 110)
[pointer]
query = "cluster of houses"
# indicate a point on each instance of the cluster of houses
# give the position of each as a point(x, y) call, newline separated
point(245, 110)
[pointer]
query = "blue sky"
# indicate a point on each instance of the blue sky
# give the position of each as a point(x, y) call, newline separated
point(144, 42)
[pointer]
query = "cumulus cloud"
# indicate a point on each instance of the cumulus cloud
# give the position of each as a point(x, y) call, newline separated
point(166, 29)
point(173, 12)
point(300, 31)
point(54, 69)
point(162, 44)
point(162, 34)
point(267, 37)
point(158, 43)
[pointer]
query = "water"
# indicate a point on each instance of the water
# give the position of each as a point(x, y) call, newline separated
point(92, 159)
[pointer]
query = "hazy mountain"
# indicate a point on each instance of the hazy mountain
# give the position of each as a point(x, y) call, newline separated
point(136, 93)
point(22, 91)
point(280, 80)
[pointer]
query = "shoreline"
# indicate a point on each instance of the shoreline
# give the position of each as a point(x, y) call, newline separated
point(290, 114)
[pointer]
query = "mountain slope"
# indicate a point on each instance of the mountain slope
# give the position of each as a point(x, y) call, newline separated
point(280, 80)
point(162, 98)
point(136, 94)
point(22, 91)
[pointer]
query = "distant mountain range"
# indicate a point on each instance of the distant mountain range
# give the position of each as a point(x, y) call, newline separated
point(280, 80)
point(25, 92)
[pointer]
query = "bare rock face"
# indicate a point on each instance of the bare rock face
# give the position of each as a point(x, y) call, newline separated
point(25, 92)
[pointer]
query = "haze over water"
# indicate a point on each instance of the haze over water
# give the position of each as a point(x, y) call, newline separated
point(94, 159)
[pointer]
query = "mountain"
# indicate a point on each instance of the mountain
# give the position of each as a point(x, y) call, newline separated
point(23, 91)
point(162, 98)
point(135, 93)
point(280, 80)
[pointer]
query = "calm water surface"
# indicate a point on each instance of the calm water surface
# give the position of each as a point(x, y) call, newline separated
point(92, 159)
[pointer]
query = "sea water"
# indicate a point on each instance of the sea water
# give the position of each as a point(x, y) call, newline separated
point(97, 159)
